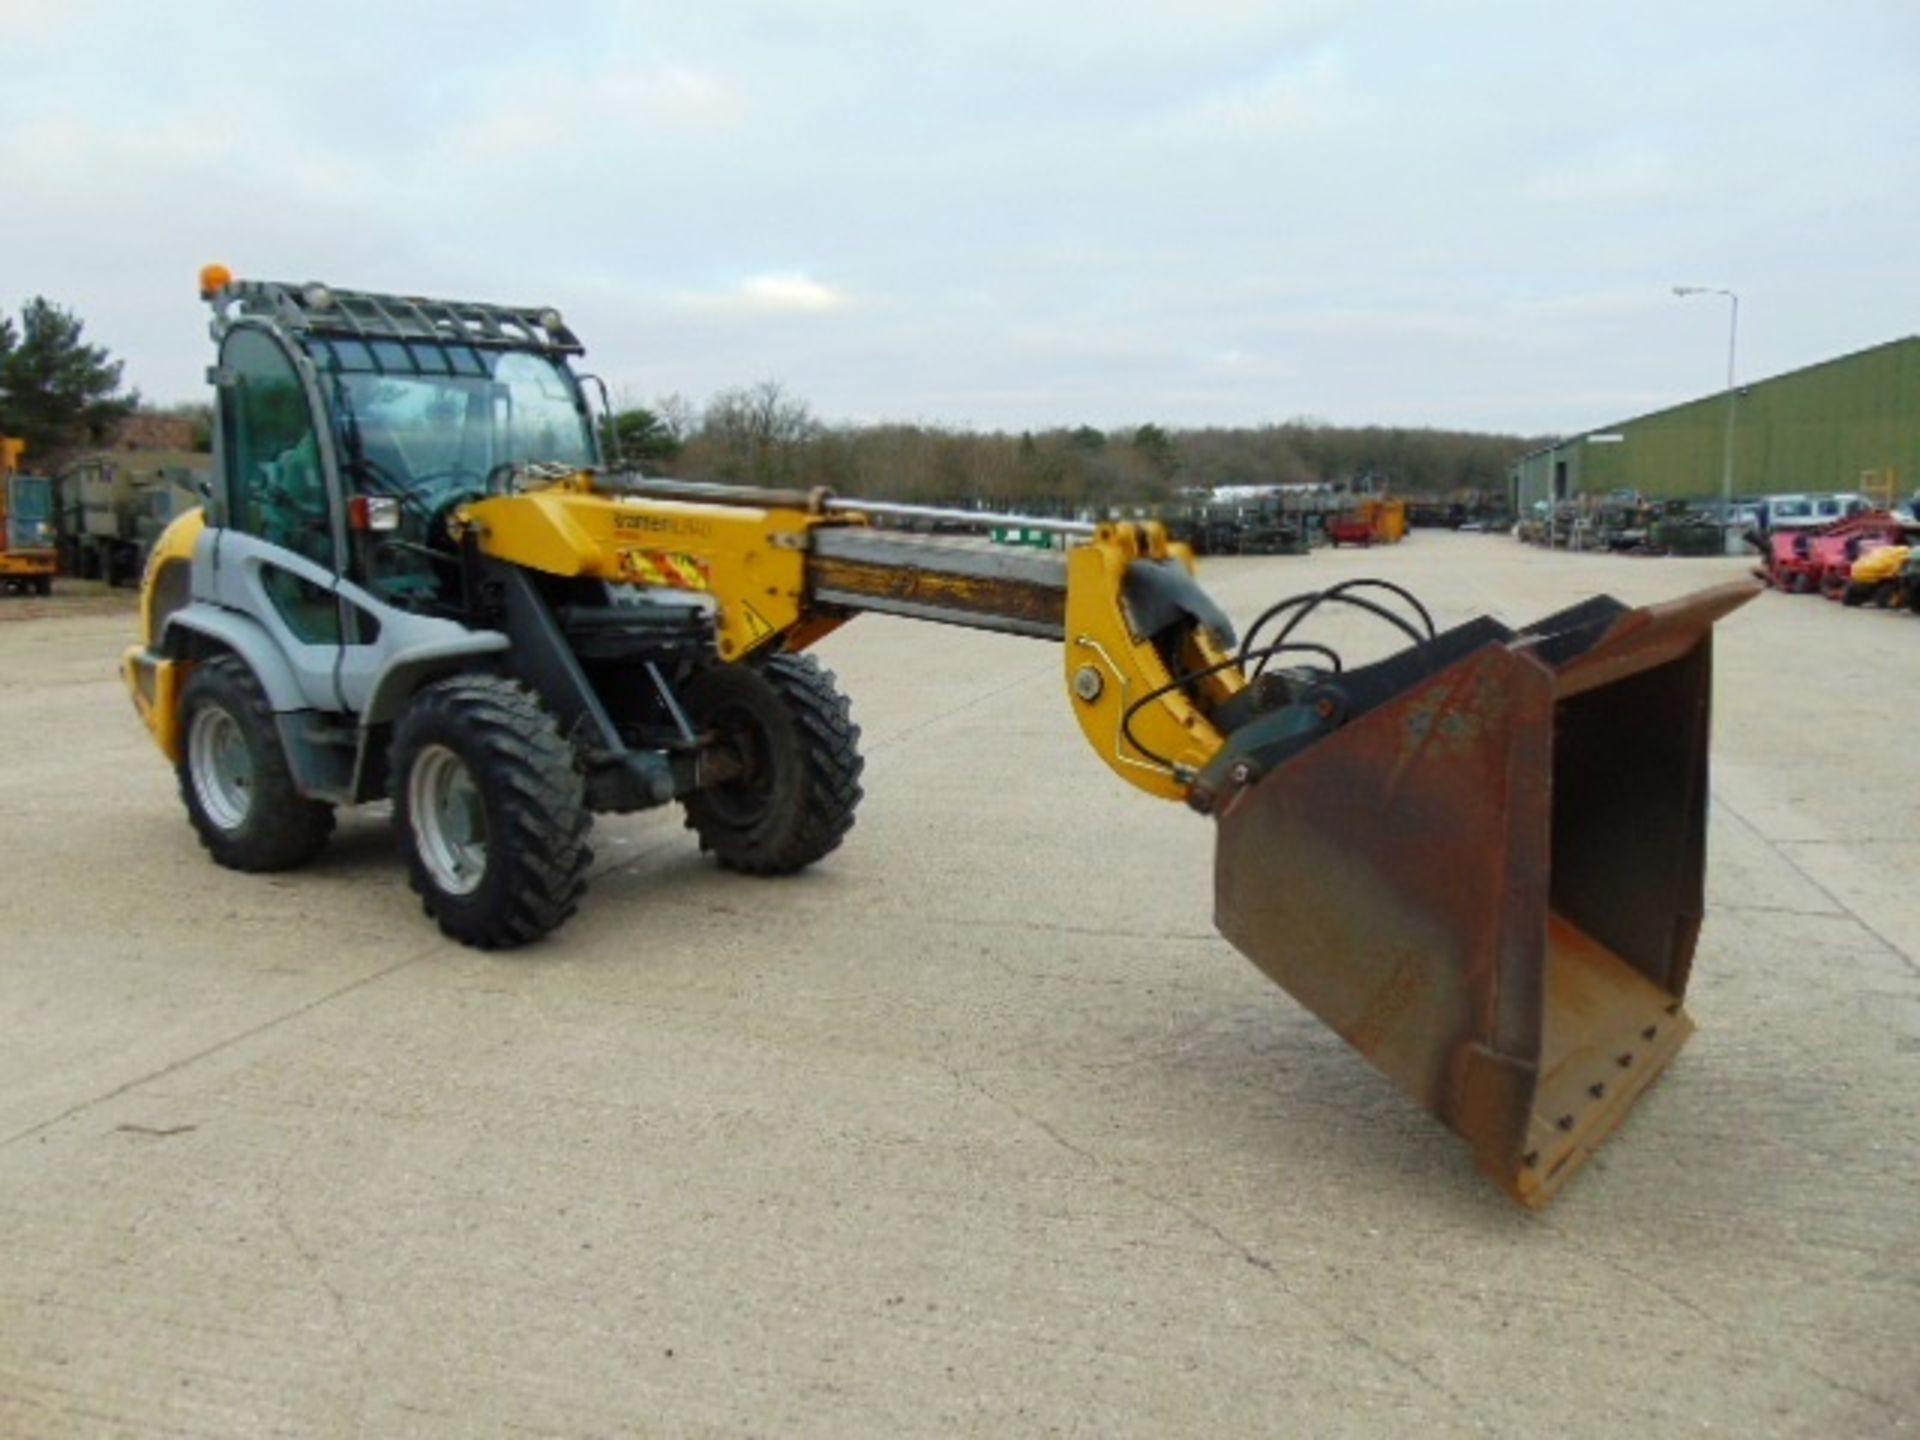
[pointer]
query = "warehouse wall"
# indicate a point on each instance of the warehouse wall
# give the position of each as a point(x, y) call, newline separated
point(1811, 429)
point(1532, 474)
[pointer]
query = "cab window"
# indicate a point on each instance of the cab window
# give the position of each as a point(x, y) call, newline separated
point(276, 488)
point(311, 611)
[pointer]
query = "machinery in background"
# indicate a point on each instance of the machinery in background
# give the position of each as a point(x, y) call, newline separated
point(1626, 522)
point(113, 506)
point(1207, 529)
point(29, 557)
point(1908, 582)
point(1020, 534)
point(1265, 531)
point(1277, 522)
point(1785, 564)
point(1680, 529)
point(1875, 578)
point(96, 520)
point(1803, 560)
point(1372, 521)
point(1480, 860)
point(1349, 530)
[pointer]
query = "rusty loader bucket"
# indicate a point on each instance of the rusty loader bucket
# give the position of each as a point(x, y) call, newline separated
point(1488, 878)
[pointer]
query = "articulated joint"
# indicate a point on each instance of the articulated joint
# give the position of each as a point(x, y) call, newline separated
point(1146, 660)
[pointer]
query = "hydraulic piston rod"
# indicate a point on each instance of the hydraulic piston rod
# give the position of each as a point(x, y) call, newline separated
point(974, 519)
point(824, 502)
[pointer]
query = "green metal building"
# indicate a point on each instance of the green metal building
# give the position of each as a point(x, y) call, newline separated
point(1851, 423)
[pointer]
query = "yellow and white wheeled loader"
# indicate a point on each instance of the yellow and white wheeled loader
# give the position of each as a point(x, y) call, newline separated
point(1479, 860)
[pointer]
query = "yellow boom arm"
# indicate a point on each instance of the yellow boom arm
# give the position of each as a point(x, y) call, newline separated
point(784, 568)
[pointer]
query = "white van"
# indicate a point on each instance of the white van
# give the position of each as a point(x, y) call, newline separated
point(1800, 512)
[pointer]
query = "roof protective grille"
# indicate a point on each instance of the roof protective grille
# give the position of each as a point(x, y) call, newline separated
point(321, 310)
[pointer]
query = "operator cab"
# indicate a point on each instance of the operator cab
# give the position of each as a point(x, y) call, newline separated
point(430, 426)
point(352, 425)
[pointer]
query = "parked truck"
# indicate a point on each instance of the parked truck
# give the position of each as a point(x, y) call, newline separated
point(115, 504)
point(28, 557)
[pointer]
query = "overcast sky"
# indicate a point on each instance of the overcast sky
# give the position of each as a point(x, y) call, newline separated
point(1003, 214)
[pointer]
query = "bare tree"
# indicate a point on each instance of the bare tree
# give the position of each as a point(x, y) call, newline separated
point(758, 435)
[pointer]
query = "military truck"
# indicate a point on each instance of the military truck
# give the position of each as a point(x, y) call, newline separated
point(114, 504)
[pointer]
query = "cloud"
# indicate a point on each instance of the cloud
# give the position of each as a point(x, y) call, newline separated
point(25, 23)
point(1297, 98)
point(622, 100)
point(1612, 179)
point(1619, 300)
point(788, 292)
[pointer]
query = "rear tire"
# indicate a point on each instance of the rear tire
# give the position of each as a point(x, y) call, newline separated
point(794, 732)
point(491, 810)
point(234, 777)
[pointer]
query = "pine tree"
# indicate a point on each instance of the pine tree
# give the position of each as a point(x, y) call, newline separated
point(57, 392)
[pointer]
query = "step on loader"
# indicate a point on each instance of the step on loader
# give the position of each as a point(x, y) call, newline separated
point(418, 577)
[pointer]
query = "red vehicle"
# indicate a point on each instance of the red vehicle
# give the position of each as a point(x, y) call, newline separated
point(1350, 530)
point(1822, 559)
point(1787, 566)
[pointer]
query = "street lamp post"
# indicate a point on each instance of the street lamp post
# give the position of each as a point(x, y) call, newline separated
point(1733, 337)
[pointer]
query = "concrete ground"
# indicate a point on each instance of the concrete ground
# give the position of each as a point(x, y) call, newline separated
point(976, 1129)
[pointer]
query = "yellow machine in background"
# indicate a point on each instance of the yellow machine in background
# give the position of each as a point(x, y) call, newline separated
point(1875, 577)
point(1480, 860)
point(29, 557)
point(1370, 521)
point(1388, 519)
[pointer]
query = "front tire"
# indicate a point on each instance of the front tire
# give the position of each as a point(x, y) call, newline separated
point(792, 731)
point(491, 810)
point(234, 777)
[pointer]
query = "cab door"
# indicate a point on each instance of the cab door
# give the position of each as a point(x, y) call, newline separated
point(277, 559)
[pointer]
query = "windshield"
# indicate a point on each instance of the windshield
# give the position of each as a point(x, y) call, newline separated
point(28, 510)
point(437, 421)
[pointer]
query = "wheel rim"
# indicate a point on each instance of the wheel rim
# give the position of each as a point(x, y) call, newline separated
point(449, 820)
point(221, 766)
point(745, 799)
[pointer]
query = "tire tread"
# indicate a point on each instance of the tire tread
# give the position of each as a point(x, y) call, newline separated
point(830, 766)
point(288, 829)
point(543, 822)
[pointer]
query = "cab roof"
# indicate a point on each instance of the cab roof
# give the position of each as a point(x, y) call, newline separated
point(322, 310)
